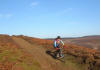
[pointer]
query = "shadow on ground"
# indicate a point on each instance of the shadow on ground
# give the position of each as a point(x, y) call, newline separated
point(52, 54)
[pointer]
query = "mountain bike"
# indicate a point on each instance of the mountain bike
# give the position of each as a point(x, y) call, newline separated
point(59, 52)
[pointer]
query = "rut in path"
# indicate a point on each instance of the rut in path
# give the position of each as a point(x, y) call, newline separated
point(38, 52)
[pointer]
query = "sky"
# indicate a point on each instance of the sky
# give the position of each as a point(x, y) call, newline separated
point(50, 18)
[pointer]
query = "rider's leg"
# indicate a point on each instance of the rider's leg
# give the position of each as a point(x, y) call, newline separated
point(61, 54)
point(58, 53)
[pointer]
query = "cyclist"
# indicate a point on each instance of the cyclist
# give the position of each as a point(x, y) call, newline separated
point(58, 44)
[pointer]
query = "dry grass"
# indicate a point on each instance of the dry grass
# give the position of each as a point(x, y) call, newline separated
point(19, 55)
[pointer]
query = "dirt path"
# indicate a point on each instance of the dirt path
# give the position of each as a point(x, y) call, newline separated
point(38, 52)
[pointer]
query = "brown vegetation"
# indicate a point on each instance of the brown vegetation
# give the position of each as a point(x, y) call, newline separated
point(83, 55)
point(87, 56)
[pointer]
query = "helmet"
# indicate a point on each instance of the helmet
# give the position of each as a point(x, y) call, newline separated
point(58, 37)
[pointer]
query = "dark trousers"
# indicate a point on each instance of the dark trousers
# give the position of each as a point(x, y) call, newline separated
point(59, 51)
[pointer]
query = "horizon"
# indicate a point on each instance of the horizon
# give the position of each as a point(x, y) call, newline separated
point(52, 37)
point(50, 18)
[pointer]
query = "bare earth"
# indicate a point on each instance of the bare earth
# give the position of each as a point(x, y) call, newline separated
point(38, 52)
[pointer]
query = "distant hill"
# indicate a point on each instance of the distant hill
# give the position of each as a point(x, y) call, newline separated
point(28, 53)
point(86, 41)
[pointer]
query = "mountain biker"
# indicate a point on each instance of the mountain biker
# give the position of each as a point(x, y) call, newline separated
point(58, 44)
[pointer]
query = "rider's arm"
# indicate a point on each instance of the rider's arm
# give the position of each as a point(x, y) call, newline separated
point(55, 44)
point(62, 42)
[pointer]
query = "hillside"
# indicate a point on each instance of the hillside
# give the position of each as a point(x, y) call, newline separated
point(27, 53)
point(87, 41)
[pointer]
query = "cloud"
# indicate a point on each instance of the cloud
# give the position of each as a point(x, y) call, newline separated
point(1, 15)
point(34, 4)
point(70, 9)
point(65, 11)
point(6, 15)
